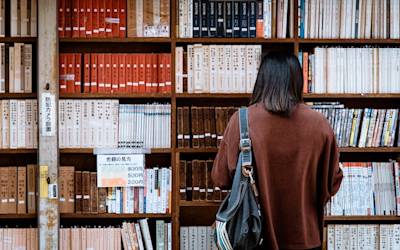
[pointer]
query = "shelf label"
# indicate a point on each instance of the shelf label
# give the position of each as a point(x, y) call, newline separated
point(120, 170)
point(48, 112)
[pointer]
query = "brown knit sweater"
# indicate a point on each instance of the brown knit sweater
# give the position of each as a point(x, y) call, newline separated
point(296, 159)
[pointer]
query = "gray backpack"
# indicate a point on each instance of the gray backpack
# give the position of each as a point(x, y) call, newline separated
point(238, 220)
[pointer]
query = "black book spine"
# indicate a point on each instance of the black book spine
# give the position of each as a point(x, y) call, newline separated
point(212, 19)
point(228, 19)
point(196, 18)
point(244, 19)
point(204, 19)
point(220, 19)
point(236, 19)
point(252, 18)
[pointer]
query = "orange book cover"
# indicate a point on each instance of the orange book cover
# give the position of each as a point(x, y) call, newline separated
point(121, 73)
point(82, 18)
point(114, 73)
point(128, 72)
point(61, 18)
point(305, 72)
point(100, 73)
point(70, 73)
point(75, 18)
point(260, 20)
point(102, 18)
point(148, 72)
point(95, 18)
point(142, 73)
point(154, 73)
point(67, 18)
point(115, 18)
point(122, 18)
point(135, 73)
point(77, 73)
point(88, 18)
point(108, 18)
point(107, 60)
point(62, 74)
point(94, 73)
point(86, 73)
point(168, 74)
point(161, 72)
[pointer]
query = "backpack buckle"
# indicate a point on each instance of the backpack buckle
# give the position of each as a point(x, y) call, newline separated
point(245, 144)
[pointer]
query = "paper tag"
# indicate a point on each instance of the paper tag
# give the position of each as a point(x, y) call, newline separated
point(53, 191)
point(48, 111)
point(44, 186)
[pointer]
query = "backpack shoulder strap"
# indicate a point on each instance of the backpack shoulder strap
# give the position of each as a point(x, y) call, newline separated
point(245, 142)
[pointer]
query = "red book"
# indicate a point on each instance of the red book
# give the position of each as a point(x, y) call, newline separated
point(154, 74)
point(305, 72)
point(161, 73)
point(135, 73)
point(108, 18)
point(142, 73)
point(70, 72)
point(93, 73)
point(95, 18)
point(168, 74)
point(148, 71)
point(82, 19)
point(128, 72)
point(75, 18)
point(121, 73)
point(63, 72)
point(86, 73)
point(61, 18)
point(114, 73)
point(107, 78)
point(100, 73)
point(77, 73)
point(67, 18)
point(115, 18)
point(88, 18)
point(122, 18)
point(102, 18)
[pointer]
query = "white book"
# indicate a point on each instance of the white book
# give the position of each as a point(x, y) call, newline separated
point(18, 68)
point(85, 123)
point(190, 67)
point(33, 20)
point(396, 236)
point(267, 16)
point(13, 123)
point(182, 18)
point(69, 124)
point(14, 19)
point(221, 82)
point(198, 79)
point(193, 238)
point(35, 123)
point(213, 71)
point(24, 17)
point(144, 226)
point(202, 237)
point(184, 238)
point(139, 236)
point(206, 69)
point(236, 67)
point(77, 124)
point(5, 123)
point(160, 235)
point(11, 65)
point(2, 17)
point(2, 67)
point(27, 62)
point(169, 240)
point(62, 124)
point(228, 81)
point(179, 67)
point(29, 124)
point(114, 142)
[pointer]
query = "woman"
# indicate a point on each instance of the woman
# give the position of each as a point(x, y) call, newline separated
point(295, 152)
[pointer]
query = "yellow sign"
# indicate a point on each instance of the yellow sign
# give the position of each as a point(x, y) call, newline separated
point(43, 185)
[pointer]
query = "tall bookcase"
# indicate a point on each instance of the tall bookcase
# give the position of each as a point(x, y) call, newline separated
point(188, 212)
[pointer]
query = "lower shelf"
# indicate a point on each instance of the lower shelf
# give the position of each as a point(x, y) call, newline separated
point(362, 218)
point(114, 216)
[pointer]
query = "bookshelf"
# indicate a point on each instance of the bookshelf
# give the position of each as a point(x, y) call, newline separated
point(188, 212)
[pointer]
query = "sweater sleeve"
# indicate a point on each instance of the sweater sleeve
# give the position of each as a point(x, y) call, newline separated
point(228, 152)
point(332, 175)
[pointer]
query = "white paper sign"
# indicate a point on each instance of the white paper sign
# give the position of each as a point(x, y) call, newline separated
point(120, 170)
point(48, 111)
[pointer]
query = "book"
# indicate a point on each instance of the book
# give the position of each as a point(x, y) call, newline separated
point(20, 68)
point(197, 237)
point(23, 18)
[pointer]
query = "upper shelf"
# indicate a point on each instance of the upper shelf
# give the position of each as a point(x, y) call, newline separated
point(305, 96)
point(117, 40)
point(116, 96)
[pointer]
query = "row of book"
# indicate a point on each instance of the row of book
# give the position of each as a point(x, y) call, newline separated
point(130, 235)
point(144, 126)
point(79, 193)
point(195, 181)
point(368, 188)
point(18, 124)
point(361, 127)
point(115, 73)
point(217, 68)
point(19, 68)
point(19, 238)
point(23, 15)
point(351, 70)
point(362, 19)
point(265, 19)
point(363, 236)
point(18, 189)
point(202, 126)
point(197, 237)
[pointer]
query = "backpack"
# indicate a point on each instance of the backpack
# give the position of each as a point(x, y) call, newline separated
point(238, 222)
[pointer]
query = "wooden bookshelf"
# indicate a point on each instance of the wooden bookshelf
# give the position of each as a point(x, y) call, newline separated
point(305, 96)
point(115, 96)
point(17, 216)
point(18, 96)
point(90, 151)
point(18, 39)
point(117, 40)
point(84, 216)
point(345, 219)
point(18, 151)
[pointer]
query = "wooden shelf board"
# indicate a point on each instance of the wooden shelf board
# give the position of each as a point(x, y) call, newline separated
point(112, 216)
point(305, 96)
point(115, 96)
point(199, 203)
point(370, 150)
point(17, 216)
point(232, 40)
point(117, 40)
point(197, 150)
point(18, 151)
point(356, 41)
point(210, 95)
point(361, 218)
point(18, 95)
point(90, 150)
point(18, 39)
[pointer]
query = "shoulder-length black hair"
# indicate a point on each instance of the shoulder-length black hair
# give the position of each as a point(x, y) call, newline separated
point(279, 84)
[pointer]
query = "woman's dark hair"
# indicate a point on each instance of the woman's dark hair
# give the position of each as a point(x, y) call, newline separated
point(279, 84)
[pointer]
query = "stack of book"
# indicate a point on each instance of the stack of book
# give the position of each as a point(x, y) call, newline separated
point(197, 237)
point(266, 19)
point(131, 235)
point(18, 189)
point(217, 68)
point(19, 68)
point(18, 124)
point(19, 238)
point(363, 236)
point(202, 126)
point(23, 14)
point(368, 188)
point(361, 19)
point(361, 127)
point(195, 181)
point(351, 70)
point(144, 126)
point(79, 193)
point(115, 73)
